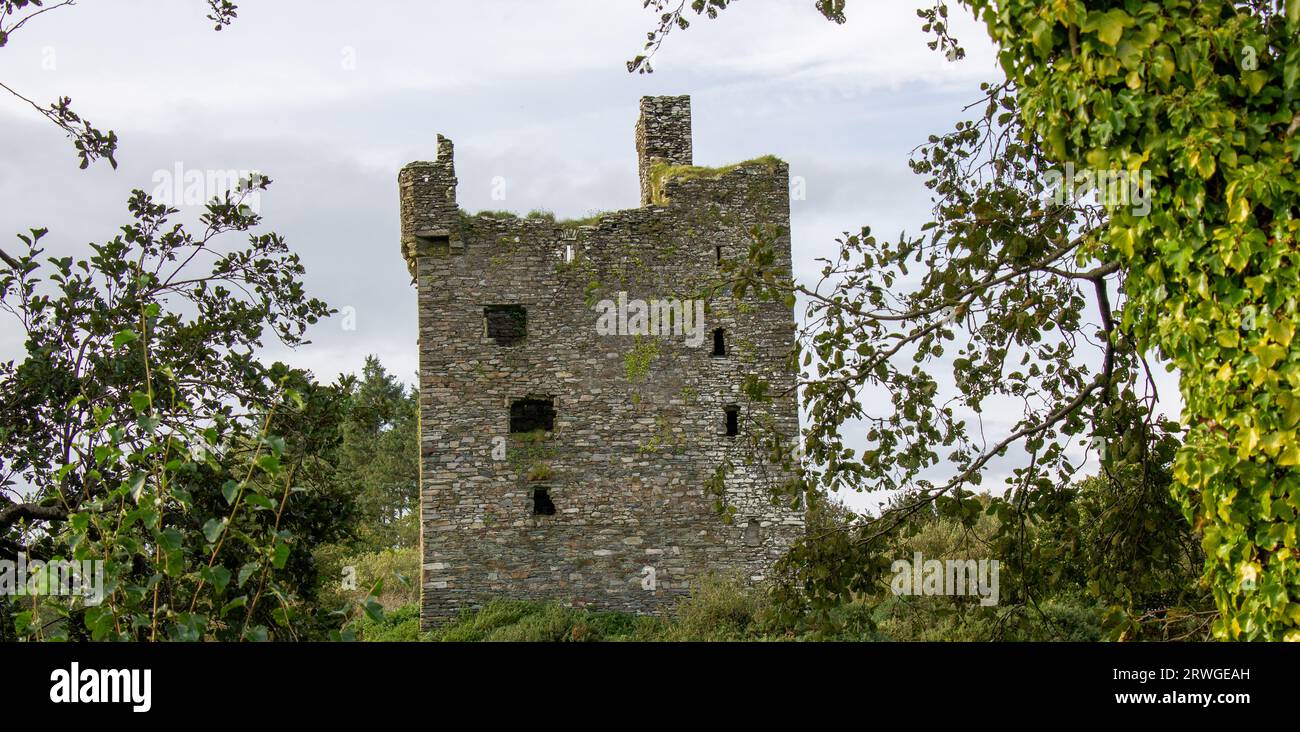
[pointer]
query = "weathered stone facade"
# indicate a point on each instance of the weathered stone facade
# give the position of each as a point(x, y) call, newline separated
point(607, 508)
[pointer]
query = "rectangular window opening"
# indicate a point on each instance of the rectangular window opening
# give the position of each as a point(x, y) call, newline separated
point(733, 420)
point(530, 415)
point(433, 243)
point(717, 252)
point(506, 324)
point(719, 342)
point(542, 503)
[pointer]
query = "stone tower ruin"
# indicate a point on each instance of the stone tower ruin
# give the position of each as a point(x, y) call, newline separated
point(578, 391)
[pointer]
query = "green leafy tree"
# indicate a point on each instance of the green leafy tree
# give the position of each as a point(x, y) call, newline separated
point(377, 464)
point(142, 430)
point(1197, 97)
point(379, 456)
point(1201, 97)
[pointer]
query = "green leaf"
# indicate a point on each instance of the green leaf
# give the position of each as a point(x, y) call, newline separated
point(229, 490)
point(269, 463)
point(1255, 80)
point(1108, 26)
point(212, 529)
point(245, 571)
point(260, 502)
point(124, 337)
point(136, 486)
point(281, 556)
point(218, 575)
point(141, 402)
point(373, 609)
point(236, 603)
point(171, 538)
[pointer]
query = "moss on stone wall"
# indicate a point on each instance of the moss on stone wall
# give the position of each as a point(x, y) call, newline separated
point(661, 173)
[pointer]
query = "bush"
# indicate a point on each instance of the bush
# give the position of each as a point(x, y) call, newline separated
point(398, 568)
point(516, 620)
point(718, 609)
point(399, 625)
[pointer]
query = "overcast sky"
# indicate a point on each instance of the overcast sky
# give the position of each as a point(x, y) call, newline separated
point(331, 102)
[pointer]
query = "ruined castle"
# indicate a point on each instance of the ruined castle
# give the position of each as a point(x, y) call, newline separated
point(578, 391)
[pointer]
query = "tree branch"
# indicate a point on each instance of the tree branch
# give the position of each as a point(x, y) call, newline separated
point(15, 512)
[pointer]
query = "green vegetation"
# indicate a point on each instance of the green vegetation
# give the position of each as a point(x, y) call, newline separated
point(529, 453)
point(1087, 604)
point(466, 216)
point(637, 361)
point(538, 215)
point(661, 173)
point(235, 499)
point(139, 430)
point(1199, 96)
point(540, 472)
point(1190, 106)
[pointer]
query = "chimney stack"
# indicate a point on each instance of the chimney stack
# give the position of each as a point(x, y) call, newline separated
point(663, 135)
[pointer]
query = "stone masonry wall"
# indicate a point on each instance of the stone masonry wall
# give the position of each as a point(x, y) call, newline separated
point(663, 135)
point(639, 420)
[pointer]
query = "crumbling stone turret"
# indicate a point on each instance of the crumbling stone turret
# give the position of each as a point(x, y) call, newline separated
point(663, 135)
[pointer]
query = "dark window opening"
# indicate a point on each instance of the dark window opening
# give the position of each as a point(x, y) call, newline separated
point(719, 343)
point(717, 251)
point(733, 420)
point(506, 324)
point(527, 415)
point(542, 504)
point(434, 243)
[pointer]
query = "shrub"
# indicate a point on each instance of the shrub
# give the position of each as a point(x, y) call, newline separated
point(399, 625)
point(718, 609)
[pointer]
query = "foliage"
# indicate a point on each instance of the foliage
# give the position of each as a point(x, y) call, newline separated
point(378, 456)
point(673, 16)
point(1096, 565)
point(1195, 102)
point(352, 573)
point(540, 472)
point(396, 626)
point(718, 609)
point(1201, 97)
point(514, 620)
point(637, 361)
point(727, 610)
point(377, 565)
point(661, 173)
point(141, 431)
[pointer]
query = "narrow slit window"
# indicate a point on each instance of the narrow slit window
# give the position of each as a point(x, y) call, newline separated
point(733, 420)
point(542, 503)
point(506, 324)
point(717, 253)
point(719, 342)
point(529, 415)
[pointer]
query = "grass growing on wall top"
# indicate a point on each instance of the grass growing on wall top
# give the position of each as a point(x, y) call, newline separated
point(660, 173)
point(538, 215)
